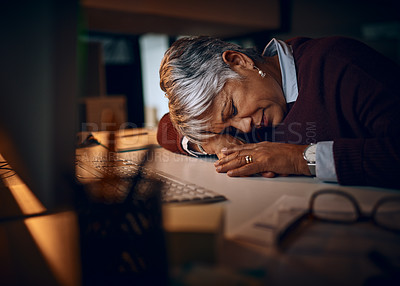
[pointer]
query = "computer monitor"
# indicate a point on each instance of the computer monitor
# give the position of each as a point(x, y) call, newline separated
point(38, 63)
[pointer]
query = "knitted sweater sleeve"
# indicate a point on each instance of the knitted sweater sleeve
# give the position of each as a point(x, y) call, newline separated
point(352, 91)
point(168, 137)
point(374, 158)
point(369, 101)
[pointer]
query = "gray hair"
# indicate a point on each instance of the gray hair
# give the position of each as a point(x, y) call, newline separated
point(192, 73)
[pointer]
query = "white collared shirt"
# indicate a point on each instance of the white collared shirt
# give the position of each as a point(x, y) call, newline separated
point(288, 69)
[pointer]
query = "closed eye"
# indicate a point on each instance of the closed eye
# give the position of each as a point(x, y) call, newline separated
point(234, 109)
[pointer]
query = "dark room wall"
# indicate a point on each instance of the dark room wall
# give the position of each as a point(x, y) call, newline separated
point(377, 23)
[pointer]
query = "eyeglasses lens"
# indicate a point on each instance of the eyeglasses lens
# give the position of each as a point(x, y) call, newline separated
point(388, 214)
point(334, 207)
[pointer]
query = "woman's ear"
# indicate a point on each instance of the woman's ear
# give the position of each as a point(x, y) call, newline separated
point(237, 59)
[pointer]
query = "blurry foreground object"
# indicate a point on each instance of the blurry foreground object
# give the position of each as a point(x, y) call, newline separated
point(122, 241)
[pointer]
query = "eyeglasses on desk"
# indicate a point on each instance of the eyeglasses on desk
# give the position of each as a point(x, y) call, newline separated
point(340, 207)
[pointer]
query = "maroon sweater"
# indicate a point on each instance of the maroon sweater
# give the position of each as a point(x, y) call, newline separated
point(347, 94)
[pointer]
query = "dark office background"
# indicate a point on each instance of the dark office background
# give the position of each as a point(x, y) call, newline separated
point(377, 23)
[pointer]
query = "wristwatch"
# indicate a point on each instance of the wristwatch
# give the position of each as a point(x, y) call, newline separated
point(309, 154)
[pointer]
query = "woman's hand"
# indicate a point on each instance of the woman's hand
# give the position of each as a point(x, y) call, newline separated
point(218, 142)
point(267, 158)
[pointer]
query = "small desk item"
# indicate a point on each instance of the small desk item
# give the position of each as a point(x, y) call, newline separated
point(106, 113)
point(194, 233)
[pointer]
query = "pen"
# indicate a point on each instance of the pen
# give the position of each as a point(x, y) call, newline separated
point(137, 134)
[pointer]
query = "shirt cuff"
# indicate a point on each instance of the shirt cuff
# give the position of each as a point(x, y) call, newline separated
point(325, 164)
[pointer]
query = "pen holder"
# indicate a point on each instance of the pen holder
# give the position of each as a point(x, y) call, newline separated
point(122, 242)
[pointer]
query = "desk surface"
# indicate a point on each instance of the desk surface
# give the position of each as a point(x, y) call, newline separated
point(331, 254)
point(336, 253)
point(247, 196)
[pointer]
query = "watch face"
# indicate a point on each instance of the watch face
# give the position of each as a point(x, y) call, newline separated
point(310, 153)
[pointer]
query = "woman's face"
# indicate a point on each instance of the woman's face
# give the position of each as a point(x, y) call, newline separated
point(252, 102)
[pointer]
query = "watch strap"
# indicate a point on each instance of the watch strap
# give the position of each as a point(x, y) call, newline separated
point(312, 168)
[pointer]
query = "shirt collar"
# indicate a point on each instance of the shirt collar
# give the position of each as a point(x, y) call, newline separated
point(288, 68)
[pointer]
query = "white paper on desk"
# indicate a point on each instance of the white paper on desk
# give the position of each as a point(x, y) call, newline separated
point(263, 228)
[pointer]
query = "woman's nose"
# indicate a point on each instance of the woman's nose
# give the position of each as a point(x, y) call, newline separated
point(243, 124)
